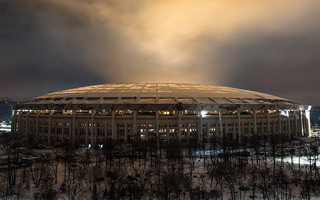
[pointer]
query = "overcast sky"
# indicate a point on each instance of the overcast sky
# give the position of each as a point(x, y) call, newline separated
point(267, 46)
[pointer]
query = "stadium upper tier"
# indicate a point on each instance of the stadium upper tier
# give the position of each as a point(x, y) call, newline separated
point(158, 93)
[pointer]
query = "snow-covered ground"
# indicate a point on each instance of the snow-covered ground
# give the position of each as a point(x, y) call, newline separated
point(5, 126)
point(220, 151)
point(303, 160)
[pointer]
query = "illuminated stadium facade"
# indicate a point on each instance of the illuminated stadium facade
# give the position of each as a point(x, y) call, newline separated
point(162, 111)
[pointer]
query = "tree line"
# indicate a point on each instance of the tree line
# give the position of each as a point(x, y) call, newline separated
point(255, 169)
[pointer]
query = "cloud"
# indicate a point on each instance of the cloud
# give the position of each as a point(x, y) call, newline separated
point(268, 46)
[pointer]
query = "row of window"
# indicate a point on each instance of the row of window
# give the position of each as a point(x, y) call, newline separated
point(102, 128)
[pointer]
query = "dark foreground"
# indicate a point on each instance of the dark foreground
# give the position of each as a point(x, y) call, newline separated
point(255, 170)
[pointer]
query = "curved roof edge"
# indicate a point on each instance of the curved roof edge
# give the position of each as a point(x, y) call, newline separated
point(156, 94)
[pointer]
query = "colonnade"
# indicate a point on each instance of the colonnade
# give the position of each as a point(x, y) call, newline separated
point(93, 128)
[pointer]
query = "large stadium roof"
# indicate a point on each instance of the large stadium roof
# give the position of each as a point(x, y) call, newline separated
point(158, 93)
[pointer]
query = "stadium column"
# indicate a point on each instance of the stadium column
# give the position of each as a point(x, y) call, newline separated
point(93, 125)
point(299, 123)
point(157, 129)
point(279, 123)
point(78, 131)
point(308, 127)
point(34, 128)
point(87, 133)
point(125, 132)
point(305, 124)
point(147, 131)
point(239, 126)
point(289, 125)
point(234, 133)
point(105, 131)
point(62, 131)
point(255, 122)
point(135, 124)
point(302, 123)
point(14, 123)
point(199, 135)
point(179, 125)
point(273, 127)
point(268, 125)
point(188, 132)
point(37, 127)
point(96, 126)
point(50, 125)
point(295, 124)
point(226, 133)
point(73, 127)
point(70, 131)
point(55, 132)
point(220, 126)
point(27, 125)
point(168, 132)
point(20, 125)
point(208, 131)
point(113, 125)
point(242, 130)
point(43, 131)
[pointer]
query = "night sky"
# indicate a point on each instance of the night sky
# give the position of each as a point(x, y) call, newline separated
point(268, 46)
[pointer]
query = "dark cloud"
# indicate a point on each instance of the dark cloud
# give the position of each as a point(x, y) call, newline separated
point(286, 66)
point(270, 46)
point(33, 59)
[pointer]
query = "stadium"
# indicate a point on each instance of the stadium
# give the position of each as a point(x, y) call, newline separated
point(130, 112)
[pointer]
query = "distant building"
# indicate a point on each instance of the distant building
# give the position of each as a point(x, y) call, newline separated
point(164, 111)
point(5, 99)
point(5, 108)
point(315, 116)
